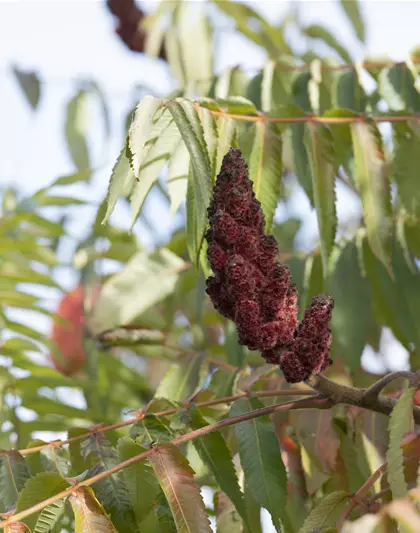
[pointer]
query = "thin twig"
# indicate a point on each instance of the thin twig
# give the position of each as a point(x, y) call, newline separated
point(167, 412)
point(306, 403)
point(262, 117)
point(360, 494)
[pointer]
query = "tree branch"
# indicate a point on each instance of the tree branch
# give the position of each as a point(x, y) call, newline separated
point(338, 393)
point(167, 412)
point(373, 391)
point(317, 402)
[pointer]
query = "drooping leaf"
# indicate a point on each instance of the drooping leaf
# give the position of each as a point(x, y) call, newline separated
point(352, 317)
point(266, 170)
point(146, 279)
point(319, 142)
point(111, 491)
point(246, 18)
point(227, 136)
point(151, 430)
point(38, 489)
point(163, 514)
point(180, 380)
point(88, 512)
point(275, 86)
point(396, 86)
point(349, 92)
point(396, 301)
point(30, 84)
point(76, 120)
point(353, 12)
point(183, 495)
point(325, 512)
point(121, 183)
point(406, 160)
point(319, 32)
point(167, 138)
point(400, 422)
point(260, 459)
point(48, 517)
point(232, 82)
point(373, 183)
point(14, 474)
point(196, 49)
point(191, 129)
point(213, 450)
point(177, 176)
point(139, 479)
point(140, 129)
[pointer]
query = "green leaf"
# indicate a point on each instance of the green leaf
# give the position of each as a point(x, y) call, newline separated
point(353, 12)
point(162, 147)
point(260, 459)
point(400, 422)
point(232, 82)
point(341, 135)
point(111, 490)
point(396, 301)
point(139, 479)
point(227, 136)
point(82, 176)
point(76, 130)
point(30, 84)
point(213, 450)
point(191, 129)
point(264, 35)
point(121, 183)
point(181, 380)
point(352, 316)
point(88, 512)
point(36, 490)
point(276, 84)
point(196, 49)
point(397, 87)
point(48, 517)
point(319, 144)
point(139, 131)
point(151, 429)
point(325, 512)
point(266, 170)
point(406, 160)
point(177, 481)
point(348, 92)
point(14, 474)
point(164, 515)
point(373, 183)
point(177, 176)
point(146, 279)
point(319, 32)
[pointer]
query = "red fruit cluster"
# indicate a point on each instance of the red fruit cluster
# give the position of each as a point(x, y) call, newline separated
point(252, 288)
point(69, 336)
point(129, 29)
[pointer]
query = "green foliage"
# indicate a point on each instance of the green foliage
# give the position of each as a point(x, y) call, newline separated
point(159, 366)
point(400, 422)
point(261, 460)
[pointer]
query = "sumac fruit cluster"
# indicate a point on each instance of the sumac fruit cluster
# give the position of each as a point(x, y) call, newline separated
point(252, 288)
